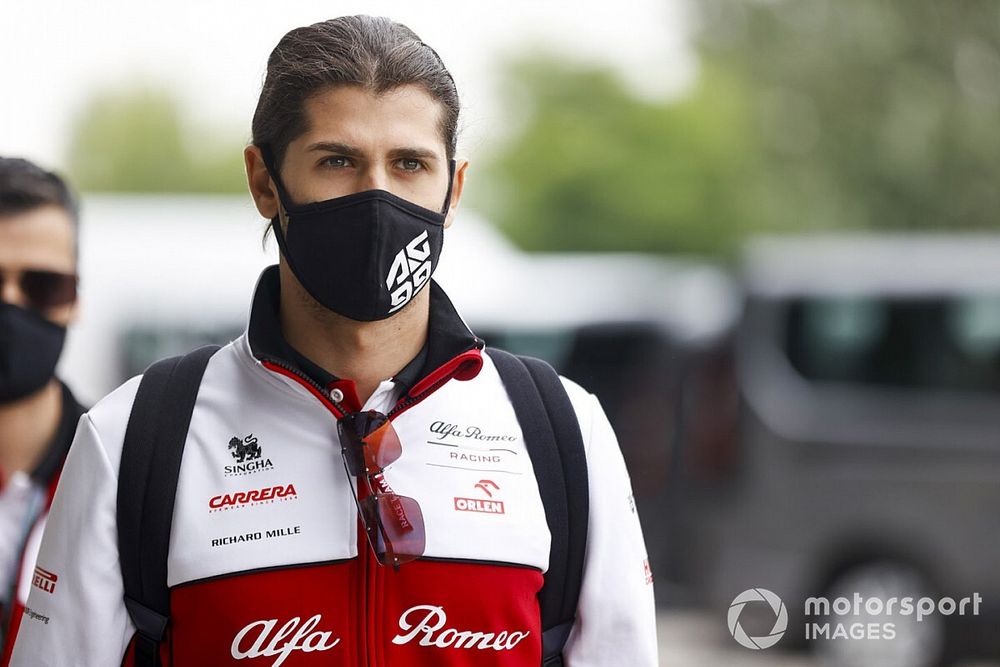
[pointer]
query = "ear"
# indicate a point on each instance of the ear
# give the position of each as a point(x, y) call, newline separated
point(74, 312)
point(65, 315)
point(456, 190)
point(262, 189)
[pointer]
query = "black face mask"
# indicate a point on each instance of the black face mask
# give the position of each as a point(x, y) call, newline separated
point(30, 346)
point(364, 255)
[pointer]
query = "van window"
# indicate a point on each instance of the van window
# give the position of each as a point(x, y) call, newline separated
point(143, 343)
point(975, 325)
point(942, 342)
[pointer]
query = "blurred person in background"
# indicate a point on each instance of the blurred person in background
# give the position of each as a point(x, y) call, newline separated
point(286, 541)
point(38, 413)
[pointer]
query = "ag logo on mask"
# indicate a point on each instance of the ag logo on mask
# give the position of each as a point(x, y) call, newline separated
point(409, 272)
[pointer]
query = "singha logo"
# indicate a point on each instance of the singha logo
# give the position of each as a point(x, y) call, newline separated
point(246, 449)
point(249, 457)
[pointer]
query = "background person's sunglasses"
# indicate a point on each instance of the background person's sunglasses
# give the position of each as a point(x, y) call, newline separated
point(43, 289)
point(368, 444)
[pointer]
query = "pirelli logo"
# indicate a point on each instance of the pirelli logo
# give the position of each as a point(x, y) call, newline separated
point(477, 505)
point(44, 580)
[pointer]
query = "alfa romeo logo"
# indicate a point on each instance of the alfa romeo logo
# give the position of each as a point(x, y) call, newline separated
point(780, 621)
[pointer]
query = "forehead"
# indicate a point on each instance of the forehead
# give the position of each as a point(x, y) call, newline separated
point(406, 116)
point(40, 238)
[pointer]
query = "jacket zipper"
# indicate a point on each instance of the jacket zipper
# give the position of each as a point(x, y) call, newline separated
point(370, 569)
point(409, 401)
point(322, 393)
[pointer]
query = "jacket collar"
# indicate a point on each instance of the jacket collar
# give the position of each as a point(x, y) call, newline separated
point(451, 350)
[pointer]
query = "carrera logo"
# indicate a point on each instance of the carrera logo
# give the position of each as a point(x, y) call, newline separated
point(44, 580)
point(425, 621)
point(260, 639)
point(253, 497)
point(409, 271)
point(487, 486)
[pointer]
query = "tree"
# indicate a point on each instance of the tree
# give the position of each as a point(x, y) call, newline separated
point(135, 139)
point(872, 113)
point(596, 168)
point(808, 115)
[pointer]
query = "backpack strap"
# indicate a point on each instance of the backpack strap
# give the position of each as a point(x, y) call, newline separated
point(555, 445)
point(147, 484)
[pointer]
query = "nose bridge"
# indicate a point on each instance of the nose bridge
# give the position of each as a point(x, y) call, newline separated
point(374, 177)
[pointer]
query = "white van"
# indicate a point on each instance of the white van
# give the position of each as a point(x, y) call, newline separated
point(865, 452)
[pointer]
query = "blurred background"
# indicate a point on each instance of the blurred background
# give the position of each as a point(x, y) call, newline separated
point(763, 232)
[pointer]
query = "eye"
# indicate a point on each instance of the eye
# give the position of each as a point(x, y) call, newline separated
point(410, 164)
point(336, 161)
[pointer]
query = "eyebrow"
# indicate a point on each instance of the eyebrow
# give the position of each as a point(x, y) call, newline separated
point(353, 151)
point(335, 147)
point(413, 153)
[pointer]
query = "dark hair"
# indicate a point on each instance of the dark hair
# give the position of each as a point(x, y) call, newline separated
point(25, 186)
point(375, 53)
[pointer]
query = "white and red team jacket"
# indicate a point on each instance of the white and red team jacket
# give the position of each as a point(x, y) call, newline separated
point(24, 505)
point(268, 565)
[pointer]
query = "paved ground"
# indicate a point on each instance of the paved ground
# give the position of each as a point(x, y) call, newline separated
point(695, 639)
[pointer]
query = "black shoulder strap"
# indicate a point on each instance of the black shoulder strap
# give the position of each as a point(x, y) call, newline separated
point(154, 441)
point(555, 445)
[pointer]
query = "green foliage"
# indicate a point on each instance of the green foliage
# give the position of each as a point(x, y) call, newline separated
point(808, 115)
point(597, 169)
point(873, 114)
point(135, 140)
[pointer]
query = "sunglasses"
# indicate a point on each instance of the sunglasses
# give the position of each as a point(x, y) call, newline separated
point(44, 289)
point(369, 443)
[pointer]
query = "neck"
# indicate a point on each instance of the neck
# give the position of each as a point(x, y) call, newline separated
point(27, 426)
point(366, 352)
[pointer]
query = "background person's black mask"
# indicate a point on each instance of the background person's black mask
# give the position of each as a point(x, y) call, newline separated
point(364, 255)
point(30, 346)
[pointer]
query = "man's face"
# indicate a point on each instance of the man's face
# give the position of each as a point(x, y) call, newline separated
point(40, 239)
point(358, 141)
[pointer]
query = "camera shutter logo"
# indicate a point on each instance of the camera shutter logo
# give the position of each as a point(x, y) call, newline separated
point(780, 622)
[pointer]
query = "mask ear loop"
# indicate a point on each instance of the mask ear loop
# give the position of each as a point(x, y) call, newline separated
point(272, 170)
point(451, 182)
point(283, 198)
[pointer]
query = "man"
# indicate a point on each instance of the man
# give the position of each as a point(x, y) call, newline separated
point(354, 486)
point(38, 413)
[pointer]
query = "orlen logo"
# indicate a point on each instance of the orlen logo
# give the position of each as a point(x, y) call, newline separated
point(44, 580)
point(252, 497)
point(291, 636)
point(486, 486)
point(426, 620)
point(409, 271)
